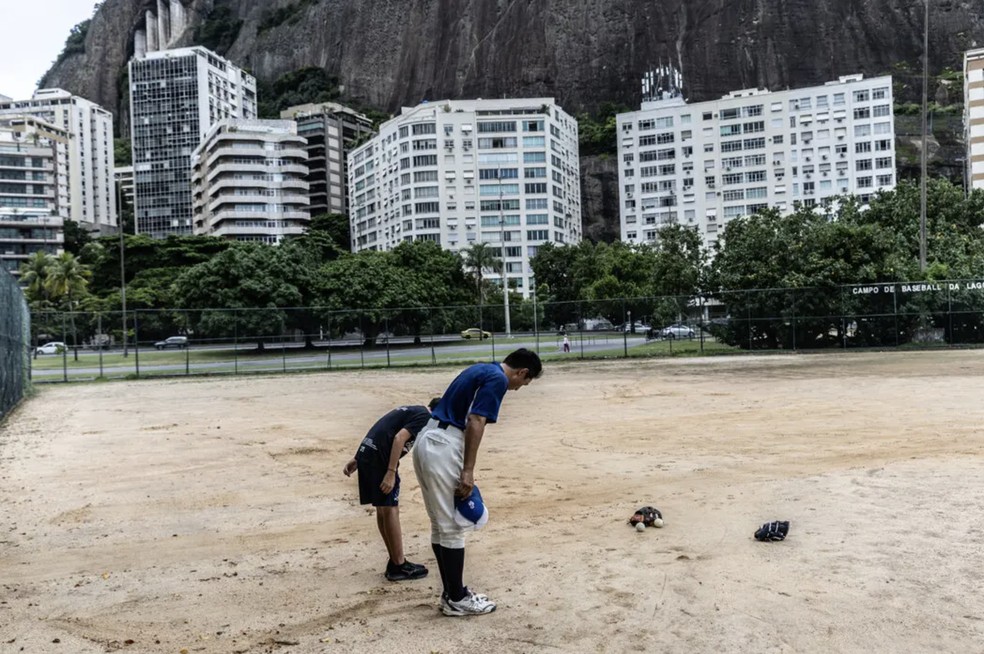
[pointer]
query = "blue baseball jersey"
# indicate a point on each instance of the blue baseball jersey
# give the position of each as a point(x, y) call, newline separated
point(479, 389)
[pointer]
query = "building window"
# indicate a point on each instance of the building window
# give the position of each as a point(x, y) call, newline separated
point(497, 126)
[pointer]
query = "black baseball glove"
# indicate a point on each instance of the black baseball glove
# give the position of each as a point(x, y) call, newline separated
point(772, 531)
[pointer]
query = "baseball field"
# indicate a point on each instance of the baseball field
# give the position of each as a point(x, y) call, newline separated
point(211, 515)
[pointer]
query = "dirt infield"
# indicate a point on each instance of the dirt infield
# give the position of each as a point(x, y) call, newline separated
point(212, 515)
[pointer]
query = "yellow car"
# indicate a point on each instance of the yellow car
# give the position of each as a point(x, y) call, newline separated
point(475, 332)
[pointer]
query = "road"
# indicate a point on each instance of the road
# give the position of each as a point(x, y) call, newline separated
point(294, 357)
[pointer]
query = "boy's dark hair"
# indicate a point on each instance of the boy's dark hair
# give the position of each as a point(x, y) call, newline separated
point(433, 403)
point(523, 358)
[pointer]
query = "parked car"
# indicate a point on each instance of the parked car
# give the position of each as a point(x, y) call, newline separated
point(179, 342)
point(54, 347)
point(475, 332)
point(640, 327)
point(677, 330)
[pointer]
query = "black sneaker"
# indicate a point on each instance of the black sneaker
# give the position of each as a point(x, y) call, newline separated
point(405, 571)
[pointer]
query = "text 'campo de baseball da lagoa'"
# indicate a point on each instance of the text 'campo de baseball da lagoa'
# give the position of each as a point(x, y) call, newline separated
point(918, 288)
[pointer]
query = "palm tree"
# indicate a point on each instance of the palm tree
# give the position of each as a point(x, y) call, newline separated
point(67, 281)
point(34, 275)
point(478, 258)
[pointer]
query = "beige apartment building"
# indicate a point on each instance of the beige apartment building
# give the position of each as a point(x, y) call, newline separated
point(248, 181)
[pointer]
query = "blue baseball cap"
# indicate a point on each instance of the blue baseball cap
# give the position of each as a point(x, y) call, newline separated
point(470, 511)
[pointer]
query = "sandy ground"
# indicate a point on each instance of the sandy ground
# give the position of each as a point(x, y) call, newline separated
point(212, 516)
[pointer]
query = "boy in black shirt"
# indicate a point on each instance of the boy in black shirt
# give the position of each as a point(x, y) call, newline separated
point(379, 483)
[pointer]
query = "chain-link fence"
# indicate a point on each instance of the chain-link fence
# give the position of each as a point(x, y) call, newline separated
point(15, 329)
point(172, 342)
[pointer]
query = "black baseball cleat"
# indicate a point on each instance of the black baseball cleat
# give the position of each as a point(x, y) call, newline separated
point(405, 571)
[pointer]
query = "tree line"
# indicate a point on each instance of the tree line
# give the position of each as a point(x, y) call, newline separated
point(313, 285)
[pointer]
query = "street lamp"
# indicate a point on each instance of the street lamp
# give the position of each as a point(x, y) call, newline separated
point(502, 236)
point(119, 225)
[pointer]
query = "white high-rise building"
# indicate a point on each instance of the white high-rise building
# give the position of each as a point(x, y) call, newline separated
point(706, 163)
point(974, 117)
point(92, 198)
point(33, 188)
point(249, 181)
point(459, 172)
point(175, 98)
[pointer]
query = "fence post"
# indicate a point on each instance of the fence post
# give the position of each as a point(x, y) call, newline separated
point(700, 326)
point(64, 351)
point(136, 341)
point(949, 314)
point(387, 331)
point(329, 341)
point(235, 341)
point(748, 313)
point(99, 328)
point(283, 346)
point(580, 328)
point(794, 320)
point(625, 331)
point(492, 325)
point(362, 343)
point(434, 353)
point(895, 313)
point(187, 348)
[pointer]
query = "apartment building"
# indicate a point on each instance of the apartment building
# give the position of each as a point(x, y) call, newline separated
point(974, 117)
point(34, 199)
point(249, 181)
point(330, 130)
point(176, 96)
point(92, 201)
point(706, 163)
point(459, 172)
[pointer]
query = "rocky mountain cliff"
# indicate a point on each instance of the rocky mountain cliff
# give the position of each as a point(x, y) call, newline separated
point(390, 53)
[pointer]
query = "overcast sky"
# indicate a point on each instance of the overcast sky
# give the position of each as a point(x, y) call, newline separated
point(32, 33)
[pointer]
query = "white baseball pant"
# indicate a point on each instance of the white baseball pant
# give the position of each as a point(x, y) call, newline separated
point(438, 457)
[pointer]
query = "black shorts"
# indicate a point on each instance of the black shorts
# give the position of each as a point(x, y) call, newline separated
point(370, 477)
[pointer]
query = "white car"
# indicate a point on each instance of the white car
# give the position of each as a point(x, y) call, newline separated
point(54, 347)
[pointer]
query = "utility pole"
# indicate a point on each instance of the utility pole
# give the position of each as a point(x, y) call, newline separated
point(119, 225)
point(925, 140)
point(502, 236)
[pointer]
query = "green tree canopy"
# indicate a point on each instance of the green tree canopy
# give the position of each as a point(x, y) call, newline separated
point(242, 290)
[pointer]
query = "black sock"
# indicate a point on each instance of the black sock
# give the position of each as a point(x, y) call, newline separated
point(439, 555)
point(454, 569)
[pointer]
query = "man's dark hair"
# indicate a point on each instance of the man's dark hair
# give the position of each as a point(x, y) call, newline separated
point(523, 358)
point(433, 403)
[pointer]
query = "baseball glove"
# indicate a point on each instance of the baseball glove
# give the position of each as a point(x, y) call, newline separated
point(647, 515)
point(772, 531)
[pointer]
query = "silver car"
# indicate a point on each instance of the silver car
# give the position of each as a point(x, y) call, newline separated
point(677, 330)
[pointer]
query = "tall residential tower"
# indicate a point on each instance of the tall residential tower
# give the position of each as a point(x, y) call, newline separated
point(331, 130)
point(175, 98)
